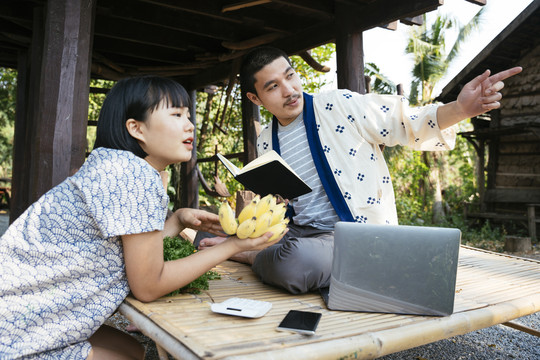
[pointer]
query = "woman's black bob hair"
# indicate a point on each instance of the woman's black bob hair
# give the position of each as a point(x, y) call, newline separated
point(135, 98)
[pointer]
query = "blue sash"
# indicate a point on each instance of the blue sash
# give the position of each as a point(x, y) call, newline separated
point(321, 163)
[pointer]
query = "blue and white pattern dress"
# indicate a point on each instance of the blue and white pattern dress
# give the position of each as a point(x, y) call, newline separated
point(62, 266)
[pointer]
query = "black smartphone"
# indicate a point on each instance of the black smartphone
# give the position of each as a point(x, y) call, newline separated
point(303, 322)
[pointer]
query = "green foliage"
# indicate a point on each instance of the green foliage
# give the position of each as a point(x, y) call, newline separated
point(178, 248)
point(427, 44)
point(312, 80)
point(8, 91)
point(95, 102)
point(379, 84)
point(410, 174)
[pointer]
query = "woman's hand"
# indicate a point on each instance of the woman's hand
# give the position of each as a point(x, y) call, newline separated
point(259, 243)
point(248, 244)
point(199, 220)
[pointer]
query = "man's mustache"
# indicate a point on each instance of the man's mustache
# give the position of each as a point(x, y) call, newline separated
point(291, 99)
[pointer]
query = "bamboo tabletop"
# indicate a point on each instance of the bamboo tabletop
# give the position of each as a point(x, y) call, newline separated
point(491, 289)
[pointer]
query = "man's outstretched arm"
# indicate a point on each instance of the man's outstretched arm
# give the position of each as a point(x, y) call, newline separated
point(478, 96)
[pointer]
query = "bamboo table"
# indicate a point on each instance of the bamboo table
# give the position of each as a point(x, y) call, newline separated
point(491, 289)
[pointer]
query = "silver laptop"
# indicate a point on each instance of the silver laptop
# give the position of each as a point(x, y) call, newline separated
point(393, 269)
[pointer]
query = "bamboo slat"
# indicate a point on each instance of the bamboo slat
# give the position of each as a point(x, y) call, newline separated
point(491, 289)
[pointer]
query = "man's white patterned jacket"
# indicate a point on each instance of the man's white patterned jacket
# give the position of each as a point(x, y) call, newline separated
point(344, 131)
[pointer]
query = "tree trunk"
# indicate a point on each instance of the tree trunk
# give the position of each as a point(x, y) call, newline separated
point(435, 176)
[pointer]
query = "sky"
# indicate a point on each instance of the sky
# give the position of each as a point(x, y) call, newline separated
point(386, 48)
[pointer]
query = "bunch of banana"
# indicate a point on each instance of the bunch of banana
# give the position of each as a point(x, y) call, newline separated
point(256, 219)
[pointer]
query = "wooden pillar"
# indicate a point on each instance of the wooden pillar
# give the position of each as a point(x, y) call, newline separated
point(250, 122)
point(480, 173)
point(349, 53)
point(58, 143)
point(21, 152)
point(188, 171)
point(28, 83)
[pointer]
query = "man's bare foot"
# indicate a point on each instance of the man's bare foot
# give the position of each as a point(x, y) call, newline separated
point(246, 257)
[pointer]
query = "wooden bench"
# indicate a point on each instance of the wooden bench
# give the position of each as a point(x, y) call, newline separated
point(526, 201)
point(491, 289)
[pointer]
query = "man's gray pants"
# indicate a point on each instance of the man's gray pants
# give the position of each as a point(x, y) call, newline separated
point(300, 262)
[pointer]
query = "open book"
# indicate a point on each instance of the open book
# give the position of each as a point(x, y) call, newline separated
point(268, 174)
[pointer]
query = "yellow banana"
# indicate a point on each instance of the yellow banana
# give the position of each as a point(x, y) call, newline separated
point(247, 212)
point(246, 228)
point(262, 225)
point(265, 204)
point(277, 230)
point(279, 206)
point(278, 214)
point(226, 218)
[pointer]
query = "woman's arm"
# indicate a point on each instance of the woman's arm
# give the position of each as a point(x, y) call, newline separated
point(150, 277)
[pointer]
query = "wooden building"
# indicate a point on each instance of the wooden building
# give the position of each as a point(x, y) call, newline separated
point(508, 140)
point(58, 45)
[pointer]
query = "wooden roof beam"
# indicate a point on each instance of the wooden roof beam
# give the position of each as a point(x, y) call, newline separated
point(306, 56)
point(243, 4)
point(415, 20)
point(211, 10)
point(390, 26)
point(253, 42)
point(18, 12)
point(147, 14)
point(360, 18)
point(478, 2)
point(318, 9)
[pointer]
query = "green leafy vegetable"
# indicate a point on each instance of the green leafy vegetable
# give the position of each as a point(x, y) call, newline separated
point(177, 248)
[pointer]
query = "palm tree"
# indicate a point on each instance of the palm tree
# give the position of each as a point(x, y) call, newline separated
point(379, 83)
point(427, 43)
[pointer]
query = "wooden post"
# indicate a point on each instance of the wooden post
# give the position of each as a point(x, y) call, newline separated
point(480, 173)
point(493, 158)
point(250, 121)
point(349, 52)
point(28, 81)
point(350, 61)
point(189, 178)
point(58, 144)
point(531, 220)
point(21, 154)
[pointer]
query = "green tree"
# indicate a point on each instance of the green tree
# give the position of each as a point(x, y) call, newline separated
point(8, 90)
point(379, 83)
point(427, 44)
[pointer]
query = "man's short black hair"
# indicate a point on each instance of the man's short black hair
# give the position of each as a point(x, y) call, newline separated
point(254, 61)
point(135, 98)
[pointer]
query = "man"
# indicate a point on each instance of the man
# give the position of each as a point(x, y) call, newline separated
point(344, 165)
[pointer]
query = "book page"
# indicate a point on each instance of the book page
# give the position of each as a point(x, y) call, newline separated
point(264, 159)
point(229, 165)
